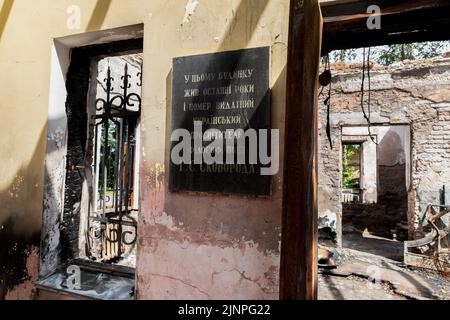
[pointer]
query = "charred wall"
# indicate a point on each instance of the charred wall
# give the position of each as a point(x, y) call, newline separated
point(77, 88)
point(15, 252)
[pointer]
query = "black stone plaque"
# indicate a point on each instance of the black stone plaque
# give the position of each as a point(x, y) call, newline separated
point(225, 91)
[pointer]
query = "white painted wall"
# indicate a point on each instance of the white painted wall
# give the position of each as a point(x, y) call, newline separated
point(369, 172)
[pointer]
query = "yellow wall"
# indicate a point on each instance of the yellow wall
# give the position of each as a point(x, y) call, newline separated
point(26, 32)
point(27, 29)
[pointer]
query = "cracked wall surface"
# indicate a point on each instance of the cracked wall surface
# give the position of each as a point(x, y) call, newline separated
point(200, 245)
point(413, 93)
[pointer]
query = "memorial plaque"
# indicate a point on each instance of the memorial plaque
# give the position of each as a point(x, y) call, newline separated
point(223, 91)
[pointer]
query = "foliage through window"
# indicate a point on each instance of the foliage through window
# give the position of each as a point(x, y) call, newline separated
point(351, 165)
point(387, 55)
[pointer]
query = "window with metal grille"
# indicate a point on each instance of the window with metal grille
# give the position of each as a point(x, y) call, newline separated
point(91, 215)
point(113, 141)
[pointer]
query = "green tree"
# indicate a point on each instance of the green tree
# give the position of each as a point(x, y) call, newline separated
point(350, 173)
point(386, 55)
point(344, 55)
point(412, 51)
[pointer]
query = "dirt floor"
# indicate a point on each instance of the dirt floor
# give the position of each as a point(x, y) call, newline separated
point(365, 276)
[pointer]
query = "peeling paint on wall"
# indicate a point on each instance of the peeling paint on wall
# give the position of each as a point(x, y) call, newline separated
point(231, 266)
point(191, 6)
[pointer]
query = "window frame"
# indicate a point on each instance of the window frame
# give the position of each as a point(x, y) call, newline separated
point(77, 85)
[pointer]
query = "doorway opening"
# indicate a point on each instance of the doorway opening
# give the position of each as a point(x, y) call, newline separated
point(383, 159)
point(375, 185)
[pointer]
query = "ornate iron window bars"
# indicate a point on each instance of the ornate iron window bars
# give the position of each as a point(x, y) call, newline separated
point(111, 229)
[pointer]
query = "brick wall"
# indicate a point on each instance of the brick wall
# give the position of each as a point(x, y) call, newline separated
point(412, 93)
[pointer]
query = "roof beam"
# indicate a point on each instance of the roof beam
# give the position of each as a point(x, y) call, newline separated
point(345, 23)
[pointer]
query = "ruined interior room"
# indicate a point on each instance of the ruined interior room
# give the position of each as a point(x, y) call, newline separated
point(383, 158)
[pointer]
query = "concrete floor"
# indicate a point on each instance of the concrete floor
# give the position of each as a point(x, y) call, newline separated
point(365, 242)
point(366, 276)
point(353, 288)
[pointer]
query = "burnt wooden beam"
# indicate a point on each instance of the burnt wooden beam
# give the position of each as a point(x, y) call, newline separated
point(298, 270)
point(345, 24)
point(348, 10)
